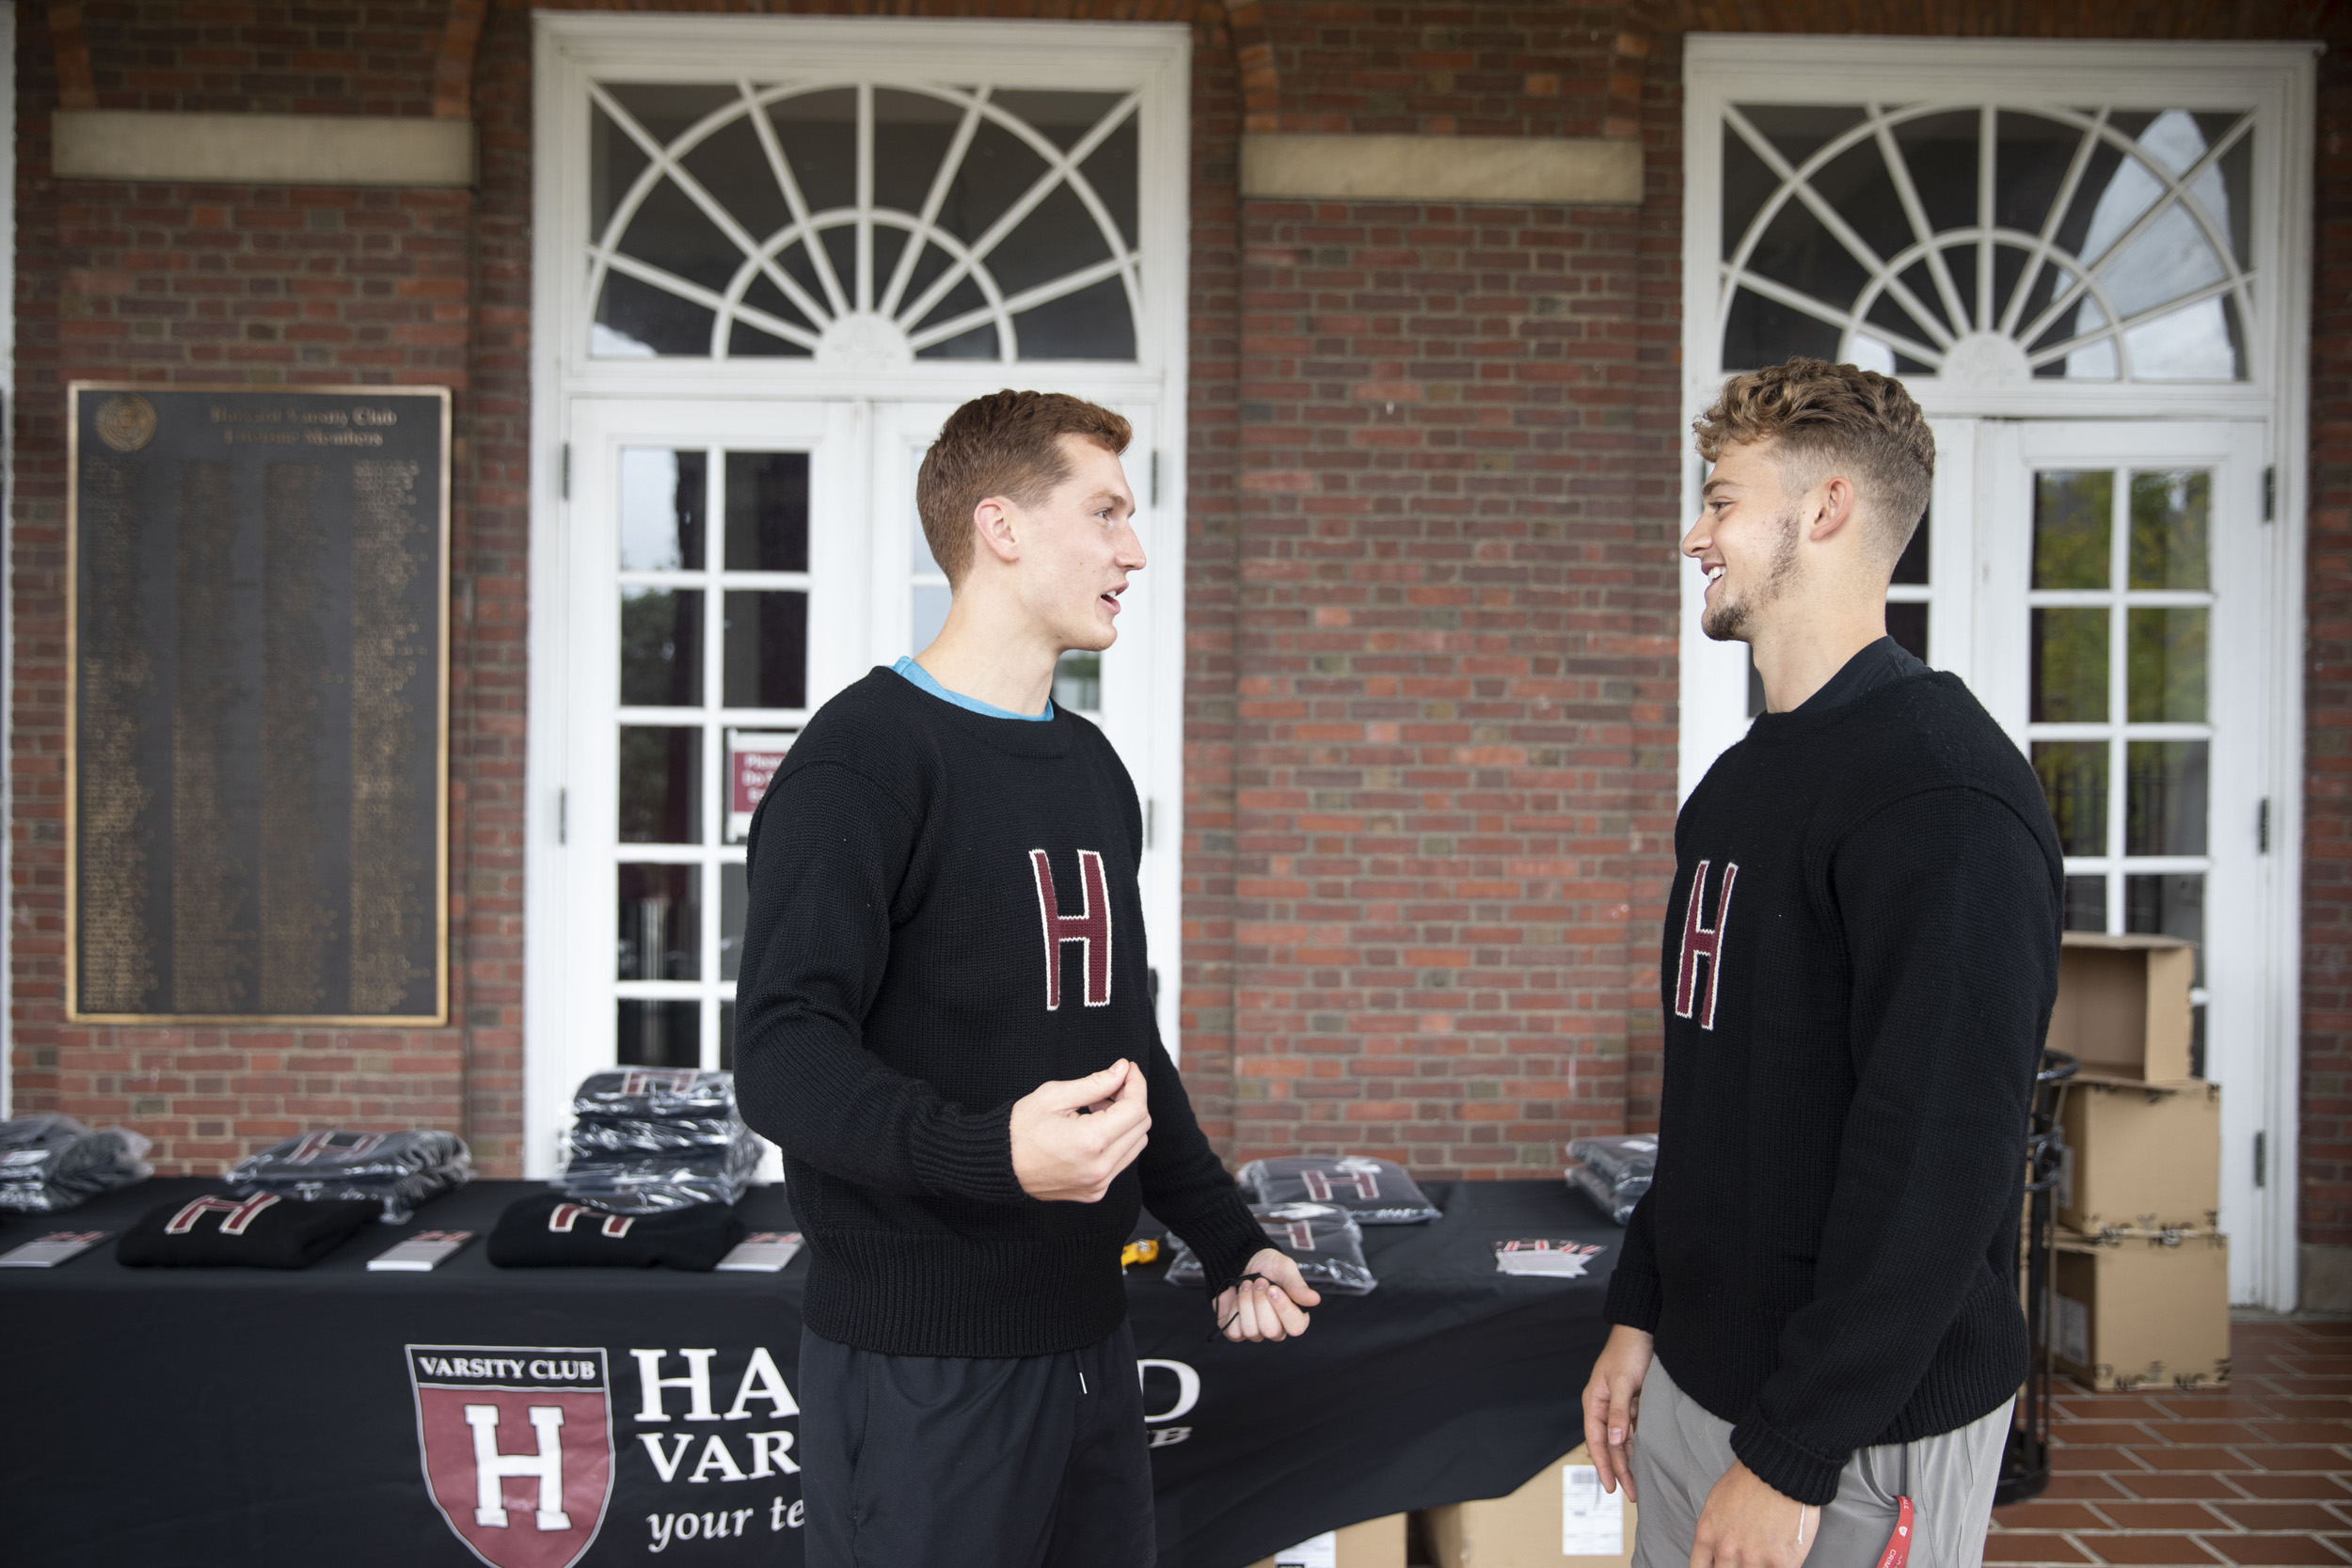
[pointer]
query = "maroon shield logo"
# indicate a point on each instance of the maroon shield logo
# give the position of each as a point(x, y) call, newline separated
point(516, 1442)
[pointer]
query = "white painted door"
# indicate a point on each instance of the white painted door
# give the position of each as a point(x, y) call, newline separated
point(2123, 584)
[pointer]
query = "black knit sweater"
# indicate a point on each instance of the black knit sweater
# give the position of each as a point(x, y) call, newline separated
point(1855, 1004)
point(899, 990)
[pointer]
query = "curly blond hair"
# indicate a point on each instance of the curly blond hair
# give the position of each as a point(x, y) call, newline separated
point(1821, 416)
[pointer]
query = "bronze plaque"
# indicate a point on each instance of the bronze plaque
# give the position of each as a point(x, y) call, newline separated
point(258, 778)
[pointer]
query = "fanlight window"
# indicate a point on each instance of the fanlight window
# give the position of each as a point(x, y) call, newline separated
point(1987, 243)
point(863, 224)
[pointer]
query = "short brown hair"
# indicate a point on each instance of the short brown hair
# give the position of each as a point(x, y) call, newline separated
point(1818, 411)
point(1005, 444)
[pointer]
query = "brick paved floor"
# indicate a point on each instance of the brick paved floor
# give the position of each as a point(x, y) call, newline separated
point(2258, 1473)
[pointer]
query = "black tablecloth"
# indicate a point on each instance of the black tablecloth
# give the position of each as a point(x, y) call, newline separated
point(240, 1416)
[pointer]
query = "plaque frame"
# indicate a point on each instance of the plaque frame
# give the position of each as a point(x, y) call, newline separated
point(74, 1013)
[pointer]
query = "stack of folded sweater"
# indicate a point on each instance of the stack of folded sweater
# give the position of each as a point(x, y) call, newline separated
point(649, 1139)
point(396, 1170)
point(1376, 1192)
point(1614, 1172)
point(1322, 1239)
point(50, 1162)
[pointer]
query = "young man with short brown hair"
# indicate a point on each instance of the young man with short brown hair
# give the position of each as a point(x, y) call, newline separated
point(1815, 1309)
point(947, 1028)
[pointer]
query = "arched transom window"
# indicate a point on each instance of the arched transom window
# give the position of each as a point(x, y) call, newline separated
point(1988, 242)
point(863, 224)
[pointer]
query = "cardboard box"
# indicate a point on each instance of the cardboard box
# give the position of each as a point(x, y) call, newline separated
point(2122, 1005)
point(2139, 1156)
point(2144, 1312)
point(1560, 1517)
point(1375, 1544)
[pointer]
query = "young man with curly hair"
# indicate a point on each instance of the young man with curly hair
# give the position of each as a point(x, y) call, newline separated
point(1815, 1310)
point(947, 1028)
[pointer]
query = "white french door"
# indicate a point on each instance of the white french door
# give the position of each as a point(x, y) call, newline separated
point(771, 255)
point(2126, 588)
point(728, 568)
point(2089, 262)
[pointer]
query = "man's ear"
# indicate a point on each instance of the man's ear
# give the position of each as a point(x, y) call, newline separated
point(996, 521)
point(1833, 506)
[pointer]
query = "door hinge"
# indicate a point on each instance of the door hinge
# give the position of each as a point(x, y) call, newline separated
point(563, 811)
point(1150, 822)
point(1156, 476)
point(563, 469)
point(2262, 1159)
point(2261, 827)
point(2270, 493)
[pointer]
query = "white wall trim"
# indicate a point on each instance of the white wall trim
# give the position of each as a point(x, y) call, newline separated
point(282, 150)
point(1573, 171)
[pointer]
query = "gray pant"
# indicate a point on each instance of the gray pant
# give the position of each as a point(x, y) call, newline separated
point(1680, 1452)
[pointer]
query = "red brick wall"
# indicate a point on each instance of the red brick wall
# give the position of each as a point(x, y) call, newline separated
point(255, 285)
point(370, 57)
point(1455, 769)
point(2327, 1147)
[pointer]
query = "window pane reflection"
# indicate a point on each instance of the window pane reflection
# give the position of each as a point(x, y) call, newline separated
point(2074, 778)
point(733, 903)
point(2070, 666)
point(661, 648)
point(657, 1034)
point(662, 504)
point(2166, 653)
point(2164, 793)
point(2172, 904)
point(660, 783)
point(767, 650)
point(2171, 515)
point(767, 501)
point(1907, 623)
point(931, 614)
point(2073, 514)
point(1911, 570)
point(1078, 681)
point(2086, 903)
point(661, 923)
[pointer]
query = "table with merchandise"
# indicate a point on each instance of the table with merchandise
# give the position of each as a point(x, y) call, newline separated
point(454, 1410)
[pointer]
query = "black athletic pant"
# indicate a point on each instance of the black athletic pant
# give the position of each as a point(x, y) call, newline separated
point(955, 1462)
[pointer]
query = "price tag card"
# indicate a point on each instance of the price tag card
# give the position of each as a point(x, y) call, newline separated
point(1560, 1260)
point(763, 1252)
point(1322, 1552)
point(421, 1253)
point(47, 1252)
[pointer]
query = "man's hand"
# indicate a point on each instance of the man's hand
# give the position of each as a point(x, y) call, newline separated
point(1267, 1308)
point(1612, 1404)
point(1072, 1138)
point(1746, 1524)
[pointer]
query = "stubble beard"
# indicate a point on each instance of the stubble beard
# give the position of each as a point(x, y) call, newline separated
point(1731, 619)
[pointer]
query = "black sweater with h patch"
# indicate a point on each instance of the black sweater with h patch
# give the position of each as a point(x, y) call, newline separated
point(942, 916)
point(1860, 956)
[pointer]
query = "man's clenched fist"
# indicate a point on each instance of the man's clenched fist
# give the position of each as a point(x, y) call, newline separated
point(1071, 1140)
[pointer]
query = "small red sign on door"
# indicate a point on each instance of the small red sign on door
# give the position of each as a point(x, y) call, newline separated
point(753, 758)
